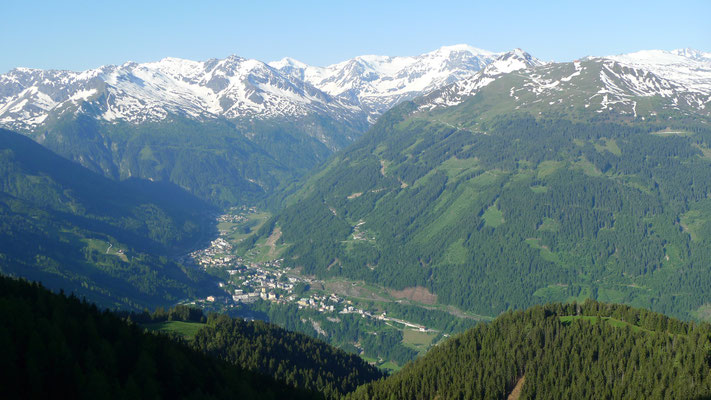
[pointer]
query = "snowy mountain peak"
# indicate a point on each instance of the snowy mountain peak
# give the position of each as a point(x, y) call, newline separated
point(24, 70)
point(377, 82)
point(462, 48)
point(287, 62)
point(233, 87)
point(455, 93)
point(514, 60)
point(617, 84)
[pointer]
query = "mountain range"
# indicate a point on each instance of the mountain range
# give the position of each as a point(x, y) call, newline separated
point(626, 84)
point(255, 126)
point(362, 87)
point(232, 88)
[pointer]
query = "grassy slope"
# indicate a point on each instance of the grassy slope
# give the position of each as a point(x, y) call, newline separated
point(185, 329)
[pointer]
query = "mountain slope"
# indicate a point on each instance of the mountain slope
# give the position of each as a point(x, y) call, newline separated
point(295, 358)
point(211, 159)
point(251, 127)
point(59, 345)
point(583, 88)
point(456, 93)
point(236, 117)
point(503, 200)
point(74, 229)
point(561, 351)
point(691, 68)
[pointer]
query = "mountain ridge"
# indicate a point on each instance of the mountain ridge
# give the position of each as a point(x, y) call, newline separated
point(234, 87)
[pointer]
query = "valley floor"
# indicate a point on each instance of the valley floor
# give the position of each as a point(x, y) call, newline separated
point(254, 284)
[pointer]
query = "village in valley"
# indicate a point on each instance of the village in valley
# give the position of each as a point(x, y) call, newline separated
point(249, 280)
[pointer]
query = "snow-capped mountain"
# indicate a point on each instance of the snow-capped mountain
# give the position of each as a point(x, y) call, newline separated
point(679, 79)
point(456, 93)
point(233, 88)
point(687, 67)
point(379, 82)
point(351, 92)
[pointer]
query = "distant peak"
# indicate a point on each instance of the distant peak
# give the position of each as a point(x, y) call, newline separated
point(519, 55)
point(692, 53)
point(174, 60)
point(25, 70)
point(517, 52)
point(234, 57)
point(287, 62)
point(663, 57)
point(463, 47)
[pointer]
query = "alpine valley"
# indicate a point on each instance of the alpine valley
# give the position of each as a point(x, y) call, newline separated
point(457, 224)
point(522, 184)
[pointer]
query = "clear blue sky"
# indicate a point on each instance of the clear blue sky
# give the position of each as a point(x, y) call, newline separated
point(85, 34)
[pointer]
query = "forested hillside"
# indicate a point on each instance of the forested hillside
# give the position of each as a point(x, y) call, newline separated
point(222, 162)
point(294, 358)
point(74, 229)
point(561, 351)
point(59, 346)
point(497, 212)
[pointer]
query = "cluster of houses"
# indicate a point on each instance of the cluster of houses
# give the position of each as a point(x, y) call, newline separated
point(323, 303)
point(254, 281)
point(361, 235)
point(217, 255)
point(333, 303)
point(234, 218)
point(269, 281)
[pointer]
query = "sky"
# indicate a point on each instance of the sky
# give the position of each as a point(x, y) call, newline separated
point(78, 35)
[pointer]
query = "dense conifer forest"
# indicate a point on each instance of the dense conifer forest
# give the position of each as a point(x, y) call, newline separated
point(59, 346)
point(562, 351)
point(294, 358)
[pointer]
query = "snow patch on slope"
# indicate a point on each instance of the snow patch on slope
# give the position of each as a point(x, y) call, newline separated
point(686, 67)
